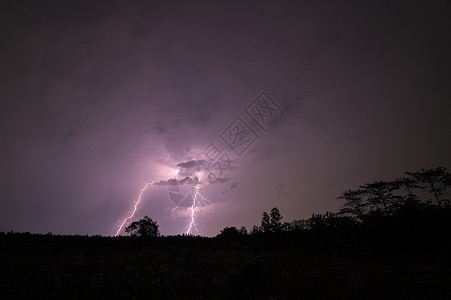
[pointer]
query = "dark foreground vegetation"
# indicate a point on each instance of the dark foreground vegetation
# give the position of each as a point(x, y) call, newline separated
point(386, 242)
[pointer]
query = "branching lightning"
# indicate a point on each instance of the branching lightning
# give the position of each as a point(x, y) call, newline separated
point(198, 201)
point(132, 213)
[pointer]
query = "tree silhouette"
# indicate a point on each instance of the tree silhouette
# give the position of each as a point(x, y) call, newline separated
point(276, 217)
point(271, 222)
point(408, 185)
point(434, 181)
point(145, 227)
point(296, 225)
point(243, 230)
point(385, 198)
point(354, 203)
point(266, 225)
point(232, 232)
point(255, 230)
point(380, 196)
point(229, 233)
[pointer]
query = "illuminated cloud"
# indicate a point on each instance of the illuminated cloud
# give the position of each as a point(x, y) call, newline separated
point(173, 181)
point(191, 164)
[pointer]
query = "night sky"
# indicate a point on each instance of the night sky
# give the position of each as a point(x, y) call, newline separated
point(100, 97)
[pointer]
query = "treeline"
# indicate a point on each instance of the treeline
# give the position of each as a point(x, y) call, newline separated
point(411, 213)
point(388, 239)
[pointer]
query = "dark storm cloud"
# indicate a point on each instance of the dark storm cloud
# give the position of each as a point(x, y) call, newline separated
point(185, 180)
point(202, 118)
point(200, 108)
point(214, 179)
point(191, 164)
point(189, 167)
point(160, 129)
point(264, 150)
point(190, 181)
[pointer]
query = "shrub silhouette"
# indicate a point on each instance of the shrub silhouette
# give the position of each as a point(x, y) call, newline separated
point(229, 233)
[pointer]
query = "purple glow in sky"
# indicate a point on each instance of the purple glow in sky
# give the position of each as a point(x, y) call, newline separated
point(100, 97)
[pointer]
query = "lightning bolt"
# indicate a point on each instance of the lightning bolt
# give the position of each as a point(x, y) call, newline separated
point(137, 201)
point(199, 200)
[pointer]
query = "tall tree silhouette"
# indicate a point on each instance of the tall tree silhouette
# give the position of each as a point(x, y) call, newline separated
point(271, 222)
point(276, 218)
point(266, 225)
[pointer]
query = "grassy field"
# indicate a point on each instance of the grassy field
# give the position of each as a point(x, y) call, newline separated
point(184, 267)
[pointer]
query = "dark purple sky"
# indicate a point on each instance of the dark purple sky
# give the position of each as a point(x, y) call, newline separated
point(99, 96)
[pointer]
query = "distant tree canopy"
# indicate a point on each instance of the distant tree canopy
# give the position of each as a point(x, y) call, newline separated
point(385, 198)
point(232, 232)
point(145, 227)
